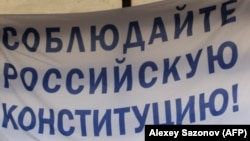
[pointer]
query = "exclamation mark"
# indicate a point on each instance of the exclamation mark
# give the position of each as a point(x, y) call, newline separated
point(235, 96)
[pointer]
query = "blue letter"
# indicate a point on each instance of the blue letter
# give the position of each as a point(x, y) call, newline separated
point(50, 40)
point(33, 77)
point(43, 121)
point(193, 63)
point(98, 125)
point(46, 80)
point(8, 76)
point(220, 56)
point(102, 77)
point(155, 113)
point(142, 74)
point(207, 12)
point(163, 35)
point(211, 103)
point(121, 112)
point(188, 21)
point(225, 12)
point(170, 69)
point(141, 118)
point(7, 116)
point(101, 37)
point(32, 120)
point(75, 32)
point(83, 114)
point(134, 26)
point(6, 38)
point(189, 107)
point(119, 82)
point(25, 39)
point(71, 129)
point(69, 81)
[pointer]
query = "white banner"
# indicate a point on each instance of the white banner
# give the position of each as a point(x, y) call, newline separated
point(104, 75)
